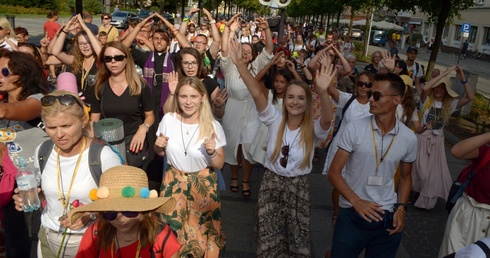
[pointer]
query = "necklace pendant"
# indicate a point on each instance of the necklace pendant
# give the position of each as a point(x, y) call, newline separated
point(185, 152)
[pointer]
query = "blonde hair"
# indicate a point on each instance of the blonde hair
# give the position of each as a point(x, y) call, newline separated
point(306, 128)
point(135, 82)
point(446, 104)
point(56, 108)
point(5, 24)
point(206, 128)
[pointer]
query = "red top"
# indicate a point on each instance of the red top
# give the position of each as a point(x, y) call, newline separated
point(479, 187)
point(51, 28)
point(88, 246)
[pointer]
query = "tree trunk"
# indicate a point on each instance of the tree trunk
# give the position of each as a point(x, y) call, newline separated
point(366, 31)
point(338, 17)
point(351, 22)
point(441, 21)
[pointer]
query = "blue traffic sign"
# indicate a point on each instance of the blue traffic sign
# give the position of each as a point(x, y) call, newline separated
point(465, 27)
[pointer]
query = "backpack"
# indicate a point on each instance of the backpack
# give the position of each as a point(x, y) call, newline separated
point(352, 98)
point(463, 180)
point(94, 152)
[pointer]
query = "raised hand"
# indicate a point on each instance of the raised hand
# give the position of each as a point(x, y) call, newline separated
point(45, 41)
point(460, 73)
point(263, 23)
point(291, 66)
point(235, 51)
point(210, 144)
point(161, 141)
point(325, 74)
point(233, 19)
point(207, 13)
point(220, 98)
point(277, 57)
point(388, 61)
point(173, 80)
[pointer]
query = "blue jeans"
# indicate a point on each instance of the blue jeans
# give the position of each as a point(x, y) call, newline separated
point(352, 234)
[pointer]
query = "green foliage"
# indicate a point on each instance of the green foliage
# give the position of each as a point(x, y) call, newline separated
point(416, 37)
point(10, 9)
point(480, 110)
point(358, 52)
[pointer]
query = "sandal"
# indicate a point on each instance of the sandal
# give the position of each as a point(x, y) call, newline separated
point(234, 188)
point(246, 192)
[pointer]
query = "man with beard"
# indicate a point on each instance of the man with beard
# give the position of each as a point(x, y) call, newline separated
point(156, 65)
point(200, 42)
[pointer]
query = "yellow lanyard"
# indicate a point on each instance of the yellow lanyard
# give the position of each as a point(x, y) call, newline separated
point(137, 250)
point(378, 161)
point(85, 73)
point(65, 201)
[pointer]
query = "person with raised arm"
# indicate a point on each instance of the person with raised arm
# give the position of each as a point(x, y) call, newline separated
point(281, 219)
point(241, 122)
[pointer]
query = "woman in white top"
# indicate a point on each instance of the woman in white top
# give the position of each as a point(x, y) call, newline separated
point(193, 142)
point(284, 198)
point(66, 178)
point(240, 120)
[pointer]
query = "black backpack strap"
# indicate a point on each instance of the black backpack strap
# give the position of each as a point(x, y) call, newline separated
point(165, 239)
point(352, 98)
point(95, 164)
point(43, 153)
point(484, 247)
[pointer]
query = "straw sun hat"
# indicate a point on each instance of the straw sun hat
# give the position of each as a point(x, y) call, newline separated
point(447, 83)
point(124, 188)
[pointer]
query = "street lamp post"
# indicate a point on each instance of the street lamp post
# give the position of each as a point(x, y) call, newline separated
point(278, 4)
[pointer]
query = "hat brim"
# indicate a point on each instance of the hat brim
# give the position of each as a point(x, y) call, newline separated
point(159, 204)
point(447, 83)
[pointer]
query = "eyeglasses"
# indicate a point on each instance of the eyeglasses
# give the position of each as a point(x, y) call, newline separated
point(377, 95)
point(285, 152)
point(65, 100)
point(6, 72)
point(366, 84)
point(83, 44)
point(193, 63)
point(106, 18)
point(199, 43)
point(118, 58)
point(112, 215)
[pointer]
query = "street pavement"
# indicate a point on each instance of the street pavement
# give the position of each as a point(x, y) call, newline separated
point(424, 228)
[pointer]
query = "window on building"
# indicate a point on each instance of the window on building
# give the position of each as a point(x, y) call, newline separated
point(457, 32)
point(486, 37)
point(472, 36)
point(445, 32)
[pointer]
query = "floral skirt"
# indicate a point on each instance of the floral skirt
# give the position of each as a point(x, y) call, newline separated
point(197, 215)
point(283, 216)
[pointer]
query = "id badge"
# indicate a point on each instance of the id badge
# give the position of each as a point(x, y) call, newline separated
point(375, 180)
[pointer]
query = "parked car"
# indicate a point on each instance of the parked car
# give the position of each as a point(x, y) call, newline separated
point(168, 17)
point(142, 14)
point(120, 19)
point(355, 34)
point(378, 37)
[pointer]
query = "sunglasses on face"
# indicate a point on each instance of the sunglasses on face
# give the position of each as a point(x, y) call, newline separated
point(118, 58)
point(377, 95)
point(112, 215)
point(285, 152)
point(106, 18)
point(65, 100)
point(366, 84)
point(6, 72)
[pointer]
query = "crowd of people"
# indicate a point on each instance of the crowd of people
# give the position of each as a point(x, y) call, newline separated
point(195, 96)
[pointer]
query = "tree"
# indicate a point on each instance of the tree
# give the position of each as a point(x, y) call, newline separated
point(440, 12)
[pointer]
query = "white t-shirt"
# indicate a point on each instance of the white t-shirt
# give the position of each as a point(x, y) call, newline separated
point(272, 119)
point(81, 187)
point(179, 142)
point(433, 113)
point(413, 71)
point(5, 45)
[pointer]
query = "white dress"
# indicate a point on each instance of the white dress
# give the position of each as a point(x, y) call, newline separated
point(241, 120)
point(259, 145)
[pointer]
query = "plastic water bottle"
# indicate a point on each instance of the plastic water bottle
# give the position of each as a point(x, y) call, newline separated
point(27, 184)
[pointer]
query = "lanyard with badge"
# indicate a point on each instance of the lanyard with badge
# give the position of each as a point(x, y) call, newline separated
point(377, 180)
